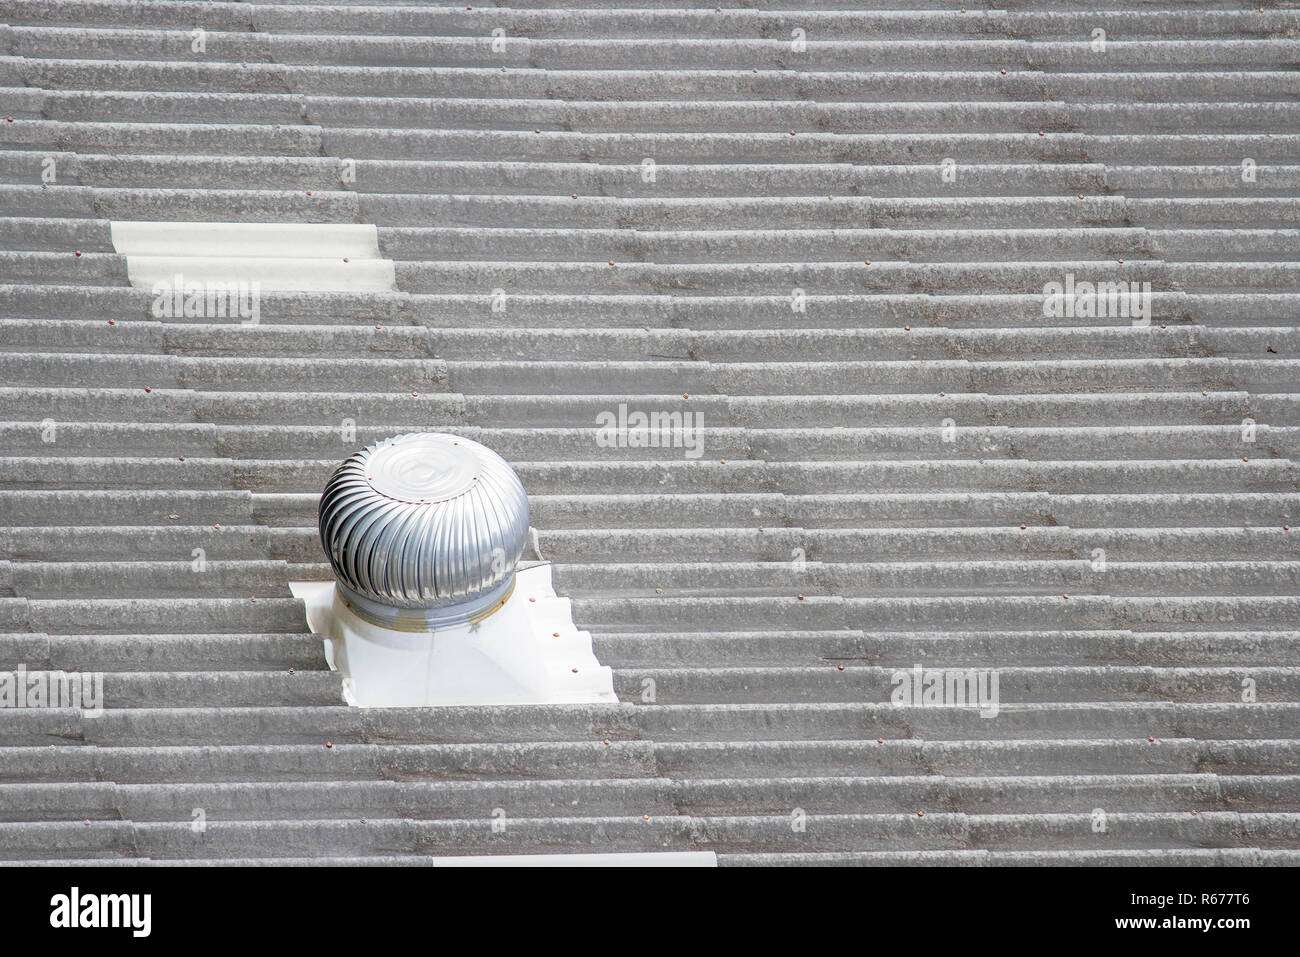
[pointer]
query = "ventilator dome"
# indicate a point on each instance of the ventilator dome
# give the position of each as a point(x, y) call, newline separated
point(424, 530)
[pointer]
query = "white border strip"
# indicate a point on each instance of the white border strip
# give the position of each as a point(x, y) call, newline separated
point(635, 859)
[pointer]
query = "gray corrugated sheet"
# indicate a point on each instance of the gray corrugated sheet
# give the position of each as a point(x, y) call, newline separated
point(775, 169)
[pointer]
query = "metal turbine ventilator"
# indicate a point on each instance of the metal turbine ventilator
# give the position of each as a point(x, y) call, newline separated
point(430, 604)
point(424, 530)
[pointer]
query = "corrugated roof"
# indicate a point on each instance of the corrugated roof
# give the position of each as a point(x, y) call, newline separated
point(744, 214)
